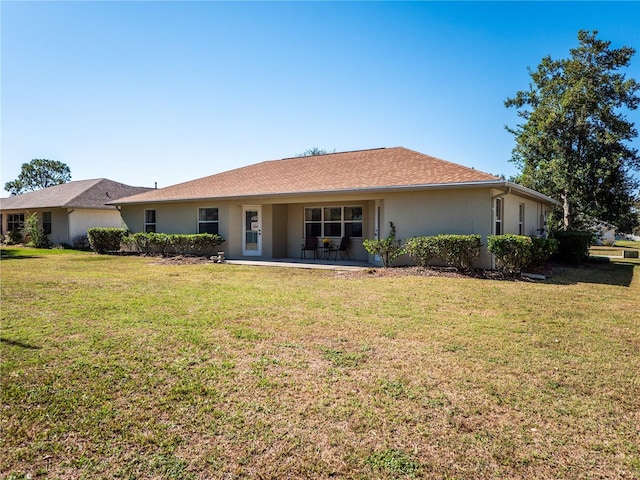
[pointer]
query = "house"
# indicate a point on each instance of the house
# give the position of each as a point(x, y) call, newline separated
point(604, 232)
point(265, 210)
point(68, 210)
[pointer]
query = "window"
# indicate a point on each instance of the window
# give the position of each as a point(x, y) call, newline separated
point(498, 216)
point(353, 221)
point(208, 220)
point(149, 221)
point(333, 222)
point(15, 221)
point(521, 219)
point(46, 222)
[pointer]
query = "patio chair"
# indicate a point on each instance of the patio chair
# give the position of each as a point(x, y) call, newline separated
point(310, 243)
point(343, 248)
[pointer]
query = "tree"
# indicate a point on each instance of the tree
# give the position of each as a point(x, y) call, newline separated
point(39, 173)
point(573, 144)
point(314, 151)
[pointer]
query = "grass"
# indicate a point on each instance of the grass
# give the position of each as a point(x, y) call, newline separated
point(617, 250)
point(120, 367)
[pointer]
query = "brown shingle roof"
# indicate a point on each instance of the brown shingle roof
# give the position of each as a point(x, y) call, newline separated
point(78, 194)
point(335, 172)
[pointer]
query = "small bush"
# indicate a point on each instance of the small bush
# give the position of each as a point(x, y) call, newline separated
point(105, 240)
point(33, 229)
point(182, 244)
point(139, 242)
point(512, 252)
point(542, 249)
point(422, 250)
point(459, 251)
point(13, 237)
point(205, 242)
point(573, 246)
point(389, 248)
point(158, 242)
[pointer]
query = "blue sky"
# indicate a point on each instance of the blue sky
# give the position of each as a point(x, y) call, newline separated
point(144, 92)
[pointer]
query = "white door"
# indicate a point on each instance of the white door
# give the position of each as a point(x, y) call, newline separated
point(252, 231)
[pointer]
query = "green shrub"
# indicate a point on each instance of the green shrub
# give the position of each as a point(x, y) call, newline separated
point(140, 242)
point(205, 242)
point(182, 244)
point(542, 249)
point(13, 237)
point(512, 252)
point(573, 246)
point(389, 248)
point(158, 242)
point(459, 251)
point(153, 243)
point(33, 230)
point(105, 240)
point(422, 250)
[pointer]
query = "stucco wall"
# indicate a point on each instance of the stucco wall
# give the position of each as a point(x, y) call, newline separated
point(438, 212)
point(81, 220)
point(67, 224)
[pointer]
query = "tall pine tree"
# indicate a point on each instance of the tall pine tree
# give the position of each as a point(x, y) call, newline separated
point(574, 142)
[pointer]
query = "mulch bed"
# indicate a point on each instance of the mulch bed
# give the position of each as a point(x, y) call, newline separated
point(406, 271)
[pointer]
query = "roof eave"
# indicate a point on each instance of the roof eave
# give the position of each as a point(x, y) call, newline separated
point(390, 188)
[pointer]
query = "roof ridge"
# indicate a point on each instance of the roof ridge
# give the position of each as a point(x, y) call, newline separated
point(330, 153)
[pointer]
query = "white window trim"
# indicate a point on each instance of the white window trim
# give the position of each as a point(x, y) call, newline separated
point(155, 224)
point(521, 218)
point(499, 214)
point(207, 221)
point(322, 221)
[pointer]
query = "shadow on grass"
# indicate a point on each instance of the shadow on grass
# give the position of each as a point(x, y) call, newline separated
point(618, 274)
point(17, 343)
point(10, 254)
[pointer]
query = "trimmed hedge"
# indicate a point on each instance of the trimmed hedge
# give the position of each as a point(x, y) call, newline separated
point(105, 240)
point(459, 251)
point(573, 246)
point(542, 249)
point(152, 243)
point(422, 250)
point(514, 253)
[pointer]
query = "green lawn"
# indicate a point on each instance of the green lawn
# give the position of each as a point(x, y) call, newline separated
point(126, 367)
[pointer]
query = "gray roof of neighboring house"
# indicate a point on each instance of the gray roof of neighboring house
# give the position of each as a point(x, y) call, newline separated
point(363, 170)
point(78, 194)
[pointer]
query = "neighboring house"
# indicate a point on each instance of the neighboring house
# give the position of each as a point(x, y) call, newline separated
point(605, 233)
point(68, 210)
point(266, 210)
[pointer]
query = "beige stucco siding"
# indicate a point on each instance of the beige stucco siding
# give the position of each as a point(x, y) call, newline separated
point(68, 224)
point(82, 219)
point(532, 212)
point(435, 212)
